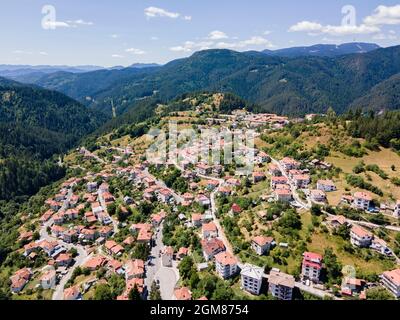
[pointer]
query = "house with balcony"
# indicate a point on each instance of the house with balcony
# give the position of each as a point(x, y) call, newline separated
point(252, 278)
point(281, 285)
point(226, 265)
point(391, 281)
point(311, 266)
point(360, 237)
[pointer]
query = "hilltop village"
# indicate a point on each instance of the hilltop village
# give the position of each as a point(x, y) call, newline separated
point(311, 221)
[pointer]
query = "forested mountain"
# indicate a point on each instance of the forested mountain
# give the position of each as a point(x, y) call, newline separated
point(385, 95)
point(36, 124)
point(324, 50)
point(284, 85)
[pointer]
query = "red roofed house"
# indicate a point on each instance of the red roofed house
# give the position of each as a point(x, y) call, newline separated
point(274, 170)
point(209, 230)
point(226, 265)
point(236, 209)
point(326, 185)
point(115, 266)
point(283, 195)
point(165, 195)
point(134, 269)
point(277, 181)
point(258, 176)
point(362, 200)
point(289, 164)
point(95, 263)
point(391, 280)
point(360, 237)
point(262, 245)
point(20, 279)
point(183, 252)
point(48, 279)
point(212, 247)
point(183, 294)
point(302, 181)
point(72, 293)
point(64, 260)
point(197, 220)
point(312, 265)
point(318, 196)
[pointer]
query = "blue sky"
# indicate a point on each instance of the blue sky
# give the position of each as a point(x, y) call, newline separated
point(107, 33)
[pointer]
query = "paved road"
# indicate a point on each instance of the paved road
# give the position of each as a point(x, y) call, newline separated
point(168, 277)
point(79, 260)
point(299, 201)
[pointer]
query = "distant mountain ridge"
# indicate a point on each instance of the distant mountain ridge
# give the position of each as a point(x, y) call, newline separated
point(293, 86)
point(324, 50)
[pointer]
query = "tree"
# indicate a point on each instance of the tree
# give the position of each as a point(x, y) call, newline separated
point(141, 251)
point(134, 294)
point(332, 266)
point(103, 292)
point(186, 268)
point(73, 252)
point(155, 293)
point(316, 210)
point(331, 114)
point(379, 293)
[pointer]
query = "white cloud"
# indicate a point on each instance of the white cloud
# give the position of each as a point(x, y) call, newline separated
point(117, 56)
point(255, 41)
point(135, 51)
point(114, 36)
point(79, 22)
point(306, 26)
point(217, 35)
point(314, 28)
point(190, 46)
point(267, 32)
point(55, 24)
point(384, 15)
point(154, 38)
point(209, 43)
point(382, 36)
point(43, 53)
point(153, 12)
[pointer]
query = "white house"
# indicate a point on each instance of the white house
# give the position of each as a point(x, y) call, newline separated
point(326, 185)
point(360, 237)
point(262, 245)
point(48, 279)
point(397, 209)
point(302, 180)
point(226, 265)
point(362, 200)
point(312, 265)
point(391, 280)
point(318, 196)
point(281, 285)
point(209, 230)
point(251, 278)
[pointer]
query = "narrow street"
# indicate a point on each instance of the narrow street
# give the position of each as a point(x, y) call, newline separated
point(167, 277)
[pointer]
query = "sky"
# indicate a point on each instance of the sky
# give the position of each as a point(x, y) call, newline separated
point(123, 32)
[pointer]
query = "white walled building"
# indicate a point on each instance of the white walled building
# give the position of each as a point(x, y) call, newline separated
point(251, 278)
